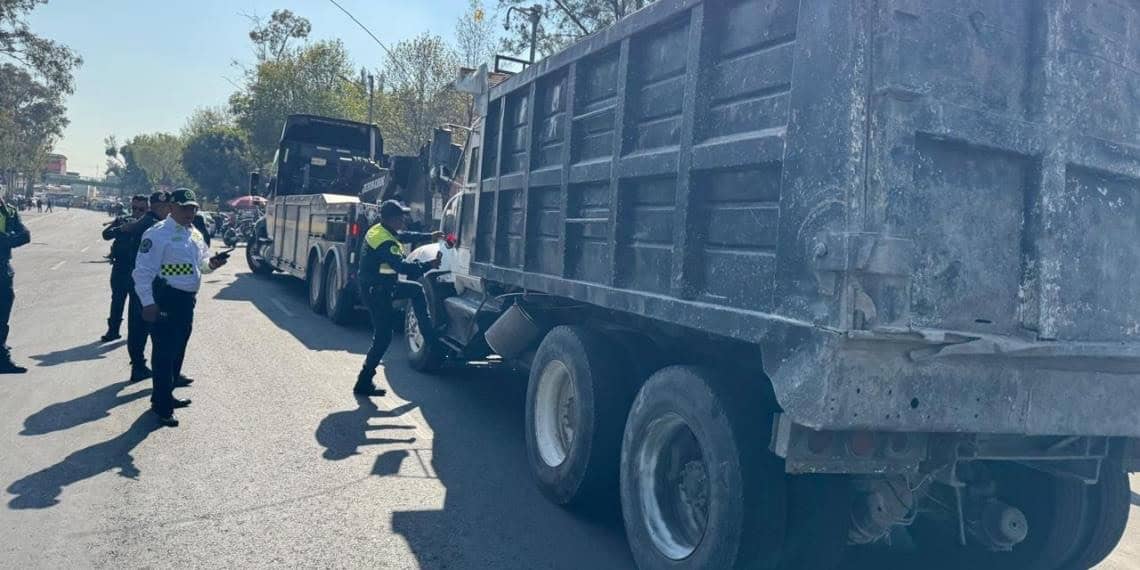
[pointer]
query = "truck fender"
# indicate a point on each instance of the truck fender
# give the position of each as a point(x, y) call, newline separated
point(315, 250)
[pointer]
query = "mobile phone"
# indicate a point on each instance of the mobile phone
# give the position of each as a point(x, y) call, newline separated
point(224, 254)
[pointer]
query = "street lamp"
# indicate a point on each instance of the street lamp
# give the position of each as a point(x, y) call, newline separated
point(534, 13)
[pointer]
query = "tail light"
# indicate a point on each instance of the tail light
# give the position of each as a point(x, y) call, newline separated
point(354, 230)
point(451, 240)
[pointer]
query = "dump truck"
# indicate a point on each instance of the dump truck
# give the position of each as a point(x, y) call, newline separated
point(792, 278)
point(328, 175)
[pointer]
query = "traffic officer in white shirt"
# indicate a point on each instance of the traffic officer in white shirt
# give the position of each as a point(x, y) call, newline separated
point(172, 257)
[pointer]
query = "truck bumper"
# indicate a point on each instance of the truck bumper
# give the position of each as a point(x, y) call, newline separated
point(940, 381)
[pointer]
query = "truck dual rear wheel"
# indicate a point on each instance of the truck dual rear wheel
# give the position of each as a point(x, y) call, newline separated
point(577, 399)
point(699, 488)
point(316, 282)
point(338, 298)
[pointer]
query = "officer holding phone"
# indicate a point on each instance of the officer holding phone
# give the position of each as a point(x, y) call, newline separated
point(172, 258)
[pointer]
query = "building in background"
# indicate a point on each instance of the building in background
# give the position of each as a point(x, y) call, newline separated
point(56, 164)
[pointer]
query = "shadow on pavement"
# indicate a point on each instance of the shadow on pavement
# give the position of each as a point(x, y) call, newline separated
point(41, 489)
point(91, 351)
point(87, 408)
point(493, 515)
point(270, 294)
point(343, 433)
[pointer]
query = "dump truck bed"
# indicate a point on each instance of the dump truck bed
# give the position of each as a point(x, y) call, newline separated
point(924, 213)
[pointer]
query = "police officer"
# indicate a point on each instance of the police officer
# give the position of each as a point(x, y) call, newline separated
point(123, 250)
point(137, 329)
point(381, 262)
point(168, 272)
point(12, 234)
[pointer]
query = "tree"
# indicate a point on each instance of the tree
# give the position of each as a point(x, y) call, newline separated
point(121, 163)
point(564, 21)
point(47, 59)
point(313, 80)
point(218, 161)
point(206, 119)
point(419, 73)
point(160, 156)
point(32, 118)
point(476, 35)
point(271, 39)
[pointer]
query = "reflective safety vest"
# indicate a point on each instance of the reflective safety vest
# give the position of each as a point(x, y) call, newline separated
point(377, 235)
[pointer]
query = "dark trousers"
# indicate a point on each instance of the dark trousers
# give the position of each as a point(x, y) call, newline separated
point(137, 332)
point(378, 299)
point(121, 286)
point(7, 297)
point(169, 333)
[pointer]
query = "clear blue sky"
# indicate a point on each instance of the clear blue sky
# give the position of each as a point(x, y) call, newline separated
point(149, 63)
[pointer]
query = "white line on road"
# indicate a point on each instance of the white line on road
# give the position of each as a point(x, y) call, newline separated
point(84, 250)
point(281, 306)
point(58, 265)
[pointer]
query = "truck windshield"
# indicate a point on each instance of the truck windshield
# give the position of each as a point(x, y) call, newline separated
point(332, 135)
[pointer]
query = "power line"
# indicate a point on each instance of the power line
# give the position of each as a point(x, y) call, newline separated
point(391, 55)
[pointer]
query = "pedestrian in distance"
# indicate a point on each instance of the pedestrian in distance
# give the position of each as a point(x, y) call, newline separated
point(137, 329)
point(39, 205)
point(123, 250)
point(13, 234)
point(49, 204)
point(168, 273)
point(381, 262)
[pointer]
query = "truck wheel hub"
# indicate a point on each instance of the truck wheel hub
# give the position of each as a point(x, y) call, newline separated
point(674, 487)
point(555, 412)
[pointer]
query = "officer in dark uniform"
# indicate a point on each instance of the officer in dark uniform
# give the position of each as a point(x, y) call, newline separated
point(137, 329)
point(172, 258)
point(123, 250)
point(12, 234)
point(200, 223)
point(381, 262)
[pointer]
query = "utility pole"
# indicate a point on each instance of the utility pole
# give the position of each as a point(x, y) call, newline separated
point(371, 98)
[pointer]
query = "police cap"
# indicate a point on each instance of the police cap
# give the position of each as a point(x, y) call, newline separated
point(393, 208)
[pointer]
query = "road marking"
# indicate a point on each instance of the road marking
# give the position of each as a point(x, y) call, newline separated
point(281, 306)
point(58, 265)
point(84, 250)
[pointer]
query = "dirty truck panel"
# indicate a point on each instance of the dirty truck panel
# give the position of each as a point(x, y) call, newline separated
point(922, 213)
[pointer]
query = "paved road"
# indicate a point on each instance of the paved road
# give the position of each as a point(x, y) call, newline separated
point(275, 464)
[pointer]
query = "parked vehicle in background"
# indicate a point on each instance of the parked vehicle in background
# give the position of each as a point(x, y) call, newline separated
point(327, 176)
point(795, 276)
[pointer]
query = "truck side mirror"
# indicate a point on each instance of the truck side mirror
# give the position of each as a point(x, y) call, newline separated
point(439, 153)
point(254, 183)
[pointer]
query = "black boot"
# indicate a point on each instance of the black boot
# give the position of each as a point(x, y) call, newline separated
point(112, 331)
point(364, 385)
point(140, 372)
point(9, 367)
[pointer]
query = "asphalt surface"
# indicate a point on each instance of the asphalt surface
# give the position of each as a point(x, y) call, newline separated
point(275, 464)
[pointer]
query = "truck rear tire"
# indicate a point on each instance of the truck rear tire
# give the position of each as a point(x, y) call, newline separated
point(699, 488)
point(576, 403)
point(1110, 501)
point(1058, 512)
point(258, 265)
point(314, 278)
point(339, 298)
point(423, 355)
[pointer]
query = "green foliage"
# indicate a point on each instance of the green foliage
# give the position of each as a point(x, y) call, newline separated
point(32, 118)
point(160, 156)
point(312, 80)
point(48, 60)
point(122, 164)
point(218, 160)
point(563, 22)
point(271, 39)
point(418, 76)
